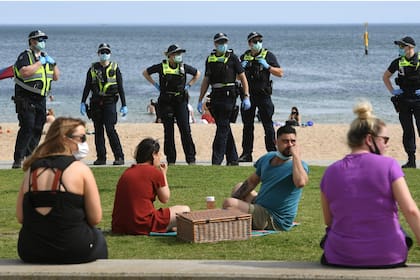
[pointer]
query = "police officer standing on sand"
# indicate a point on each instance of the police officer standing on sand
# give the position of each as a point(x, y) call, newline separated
point(34, 71)
point(407, 95)
point(173, 100)
point(104, 80)
point(258, 63)
point(222, 69)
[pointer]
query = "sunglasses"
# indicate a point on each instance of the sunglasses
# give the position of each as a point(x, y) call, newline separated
point(386, 139)
point(257, 41)
point(41, 39)
point(401, 46)
point(81, 137)
point(294, 112)
point(104, 52)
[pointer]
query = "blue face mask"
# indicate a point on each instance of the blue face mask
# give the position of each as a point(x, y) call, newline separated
point(257, 47)
point(222, 48)
point(40, 46)
point(178, 58)
point(104, 56)
point(401, 52)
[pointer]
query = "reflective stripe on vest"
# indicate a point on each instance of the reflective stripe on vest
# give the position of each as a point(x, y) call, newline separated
point(43, 74)
point(403, 62)
point(249, 57)
point(111, 80)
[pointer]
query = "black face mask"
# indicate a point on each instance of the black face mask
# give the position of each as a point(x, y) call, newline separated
point(376, 150)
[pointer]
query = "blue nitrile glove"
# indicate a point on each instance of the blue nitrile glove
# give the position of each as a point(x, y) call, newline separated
point(397, 91)
point(187, 87)
point(124, 111)
point(49, 59)
point(244, 63)
point(246, 104)
point(82, 109)
point(42, 59)
point(417, 91)
point(200, 107)
point(264, 63)
point(157, 86)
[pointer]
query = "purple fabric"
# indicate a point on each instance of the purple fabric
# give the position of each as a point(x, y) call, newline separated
point(365, 230)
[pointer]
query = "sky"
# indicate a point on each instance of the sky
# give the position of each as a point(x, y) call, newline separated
point(207, 12)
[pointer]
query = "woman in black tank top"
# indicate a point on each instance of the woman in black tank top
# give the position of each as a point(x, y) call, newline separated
point(58, 203)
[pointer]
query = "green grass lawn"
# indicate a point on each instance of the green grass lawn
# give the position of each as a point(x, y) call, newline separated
point(190, 185)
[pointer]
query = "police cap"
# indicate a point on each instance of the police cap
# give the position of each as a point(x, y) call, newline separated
point(406, 41)
point(253, 35)
point(220, 36)
point(37, 34)
point(173, 49)
point(104, 46)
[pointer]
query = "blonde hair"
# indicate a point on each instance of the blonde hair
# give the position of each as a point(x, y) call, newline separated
point(54, 143)
point(365, 123)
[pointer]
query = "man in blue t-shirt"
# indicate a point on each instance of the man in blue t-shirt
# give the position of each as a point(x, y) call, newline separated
point(282, 175)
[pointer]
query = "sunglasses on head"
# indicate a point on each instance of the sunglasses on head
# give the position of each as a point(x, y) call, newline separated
point(104, 52)
point(257, 41)
point(82, 137)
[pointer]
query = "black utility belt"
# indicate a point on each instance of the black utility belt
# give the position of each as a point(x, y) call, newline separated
point(222, 93)
point(173, 93)
point(33, 96)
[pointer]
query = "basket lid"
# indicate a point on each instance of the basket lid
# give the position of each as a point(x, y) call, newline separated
point(213, 215)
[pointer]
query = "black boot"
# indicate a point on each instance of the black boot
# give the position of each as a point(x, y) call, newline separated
point(411, 163)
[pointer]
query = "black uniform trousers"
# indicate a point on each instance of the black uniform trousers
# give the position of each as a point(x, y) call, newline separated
point(31, 113)
point(409, 106)
point(222, 103)
point(104, 114)
point(266, 110)
point(169, 111)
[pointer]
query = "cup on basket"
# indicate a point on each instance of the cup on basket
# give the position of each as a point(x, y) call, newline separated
point(211, 202)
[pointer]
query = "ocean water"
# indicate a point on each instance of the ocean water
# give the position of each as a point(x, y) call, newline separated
point(325, 68)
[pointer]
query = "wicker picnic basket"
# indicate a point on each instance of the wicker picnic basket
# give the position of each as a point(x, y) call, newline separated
point(213, 225)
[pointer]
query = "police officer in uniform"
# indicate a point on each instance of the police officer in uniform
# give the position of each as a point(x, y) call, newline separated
point(222, 69)
point(173, 100)
point(104, 80)
point(407, 96)
point(34, 71)
point(258, 63)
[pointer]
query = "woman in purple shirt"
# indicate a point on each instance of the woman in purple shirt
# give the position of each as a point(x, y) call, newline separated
point(360, 195)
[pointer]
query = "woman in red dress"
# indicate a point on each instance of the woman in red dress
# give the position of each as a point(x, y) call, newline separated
point(137, 189)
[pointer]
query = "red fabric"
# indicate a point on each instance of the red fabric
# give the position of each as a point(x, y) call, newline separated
point(208, 118)
point(134, 212)
point(6, 72)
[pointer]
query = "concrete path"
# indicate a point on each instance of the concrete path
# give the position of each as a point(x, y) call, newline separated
point(198, 269)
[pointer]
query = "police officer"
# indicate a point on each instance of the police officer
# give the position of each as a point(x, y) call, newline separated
point(173, 100)
point(104, 80)
point(407, 96)
point(258, 63)
point(34, 71)
point(222, 69)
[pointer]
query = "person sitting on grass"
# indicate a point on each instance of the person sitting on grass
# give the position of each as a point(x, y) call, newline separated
point(137, 189)
point(360, 196)
point(58, 203)
point(282, 175)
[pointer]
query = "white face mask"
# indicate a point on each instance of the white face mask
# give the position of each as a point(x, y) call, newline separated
point(82, 152)
point(178, 58)
point(283, 157)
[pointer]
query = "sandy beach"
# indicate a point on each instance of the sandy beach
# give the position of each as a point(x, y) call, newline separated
point(320, 142)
